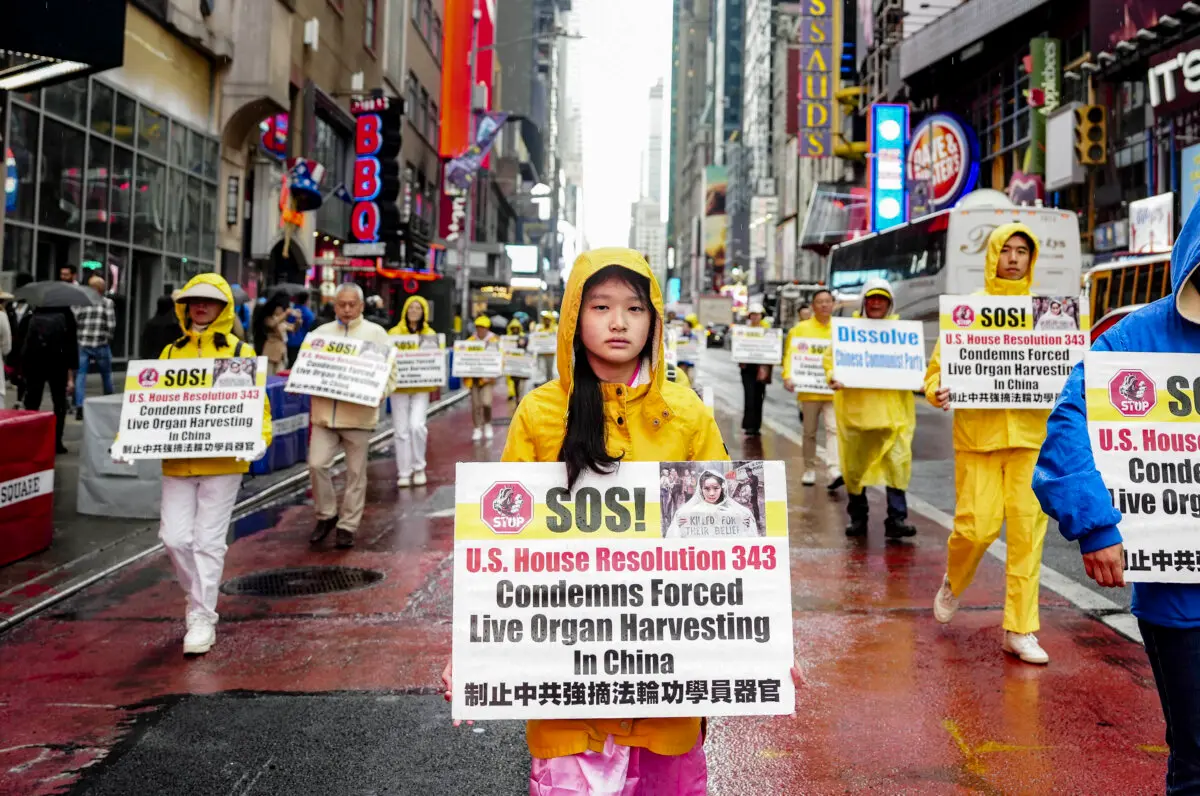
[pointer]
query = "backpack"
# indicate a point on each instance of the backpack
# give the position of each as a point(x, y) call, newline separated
point(45, 338)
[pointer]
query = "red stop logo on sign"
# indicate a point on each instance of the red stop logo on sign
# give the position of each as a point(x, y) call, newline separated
point(507, 507)
point(1132, 393)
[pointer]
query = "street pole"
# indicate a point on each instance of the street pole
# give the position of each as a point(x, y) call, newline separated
point(464, 273)
point(552, 129)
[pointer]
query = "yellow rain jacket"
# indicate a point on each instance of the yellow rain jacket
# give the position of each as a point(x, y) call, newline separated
point(201, 345)
point(875, 427)
point(816, 330)
point(659, 421)
point(983, 430)
point(402, 328)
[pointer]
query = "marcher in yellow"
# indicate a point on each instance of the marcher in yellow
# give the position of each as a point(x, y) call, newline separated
point(815, 407)
point(995, 451)
point(481, 389)
point(875, 431)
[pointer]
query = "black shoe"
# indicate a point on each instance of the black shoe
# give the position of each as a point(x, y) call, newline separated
point(836, 484)
point(322, 530)
point(856, 528)
point(345, 539)
point(79, 413)
point(60, 448)
point(898, 529)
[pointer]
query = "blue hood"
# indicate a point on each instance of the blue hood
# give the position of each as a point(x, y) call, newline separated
point(1185, 256)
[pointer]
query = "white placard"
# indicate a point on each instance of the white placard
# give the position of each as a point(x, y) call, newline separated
point(543, 342)
point(478, 359)
point(342, 368)
point(808, 365)
point(754, 345)
point(192, 408)
point(884, 355)
point(520, 364)
point(420, 360)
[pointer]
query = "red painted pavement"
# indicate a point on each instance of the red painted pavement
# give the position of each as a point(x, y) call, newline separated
point(895, 703)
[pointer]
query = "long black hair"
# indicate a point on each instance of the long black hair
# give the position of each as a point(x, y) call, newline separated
point(584, 446)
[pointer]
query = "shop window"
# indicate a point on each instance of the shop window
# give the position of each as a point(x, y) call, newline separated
point(102, 109)
point(212, 159)
point(192, 215)
point(18, 248)
point(125, 121)
point(95, 199)
point(178, 146)
point(176, 196)
point(68, 100)
point(62, 176)
point(152, 133)
point(195, 155)
point(208, 221)
point(33, 98)
point(148, 202)
point(23, 141)
point(120, 201)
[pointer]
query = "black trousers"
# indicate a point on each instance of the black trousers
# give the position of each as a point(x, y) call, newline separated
point(36, 381)
point(754, 392)
point(897, 505)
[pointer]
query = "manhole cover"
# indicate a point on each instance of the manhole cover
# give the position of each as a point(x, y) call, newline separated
point(301, 581)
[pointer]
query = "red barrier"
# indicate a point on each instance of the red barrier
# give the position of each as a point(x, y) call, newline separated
point(26, 483)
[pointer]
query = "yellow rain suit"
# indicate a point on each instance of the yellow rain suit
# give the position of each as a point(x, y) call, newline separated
point(875, 428)
point(402, 328)
point(995, 451)
point(658, 421)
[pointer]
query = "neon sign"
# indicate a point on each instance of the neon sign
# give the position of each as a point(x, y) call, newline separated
point(944, 153)
point(889, 139)
point(375, 218)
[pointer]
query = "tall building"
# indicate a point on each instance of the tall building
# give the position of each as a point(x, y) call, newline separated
point(654, 151)
point(691, 140)
point(758, 166)
point(728, 23)
point(647, 232)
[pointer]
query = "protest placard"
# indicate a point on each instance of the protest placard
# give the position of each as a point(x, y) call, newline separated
point(543, 342)
point(754, 345)
point(479, 359)
point(670, 347)
point(520, 364)
point(808, 365)
point(1008, 352)
point(342, 368)
point(420, 360)
point(192, 408)
point(510, 342)
point(620, 599)
point(1144, 425)
point(687, 347)
point(885, 355)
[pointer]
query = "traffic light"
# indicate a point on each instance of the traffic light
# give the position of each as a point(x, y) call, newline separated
point(1091, 135)
point(417, 250)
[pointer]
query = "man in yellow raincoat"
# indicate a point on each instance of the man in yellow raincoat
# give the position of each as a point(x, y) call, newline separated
point(995, 451)
point(875, 431)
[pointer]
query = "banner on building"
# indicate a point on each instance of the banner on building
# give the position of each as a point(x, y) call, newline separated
point(755, 345)
point(1045, 92)
point(520, 364)
point(192, 408)
point(1144, 427)
point(819, 36)
point(460, 172)
point(944, 153)
point(1009, 352)
point(716, 222)
point(882, 355)
point(808, 365)
point(342, 368)
point(616, 600)
point(420, 360)
point(375, 217)
point(478, 359)
point(1152, 224)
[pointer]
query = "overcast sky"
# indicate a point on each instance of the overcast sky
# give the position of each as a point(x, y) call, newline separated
point(626, 50)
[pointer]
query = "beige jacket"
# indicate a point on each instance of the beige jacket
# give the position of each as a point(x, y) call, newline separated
point(331, 413)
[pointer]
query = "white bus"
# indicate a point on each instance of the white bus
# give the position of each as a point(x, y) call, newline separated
point(944, 253)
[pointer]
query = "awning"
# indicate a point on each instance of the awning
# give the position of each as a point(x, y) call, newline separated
point(954, 31)
point(50, 41)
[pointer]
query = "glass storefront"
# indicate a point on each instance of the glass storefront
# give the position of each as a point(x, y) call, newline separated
point(116, 186)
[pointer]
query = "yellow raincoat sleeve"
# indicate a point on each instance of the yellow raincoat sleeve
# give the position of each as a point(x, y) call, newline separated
point(787, 359)
point(933, 375)
point(268, 431)
point(520, 445)
point(707, 445)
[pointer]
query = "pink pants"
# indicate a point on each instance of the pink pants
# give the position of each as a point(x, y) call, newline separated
point(621, 771)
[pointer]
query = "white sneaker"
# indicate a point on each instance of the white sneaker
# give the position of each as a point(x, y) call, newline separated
point(1025, 646)
point(477, 435)
point(201, 635)
point(404, 480)
point(487, 431)
point(945, 604)
point(419, 478)
point(809, 478)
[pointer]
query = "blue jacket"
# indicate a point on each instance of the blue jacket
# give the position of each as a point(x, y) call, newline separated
point(297, 335)
point(1066, 481)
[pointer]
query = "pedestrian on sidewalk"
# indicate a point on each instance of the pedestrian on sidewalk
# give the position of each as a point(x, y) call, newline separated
point(994, 454)
point(816, 409)
point(95, 324)
point(755, 379)
point(303, 319)
point(1071, 490)
point(610, 354)
point(410, 404)
point(162, 329)
point(481, 389)
point(270, 328)
point(346, 425)
point(198, 495)
point(49, 356)
point(875, 433)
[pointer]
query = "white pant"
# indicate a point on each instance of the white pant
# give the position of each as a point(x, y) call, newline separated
point(195, 520)
point(408, 419)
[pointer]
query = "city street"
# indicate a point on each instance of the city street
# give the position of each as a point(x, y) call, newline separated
point(339, 693)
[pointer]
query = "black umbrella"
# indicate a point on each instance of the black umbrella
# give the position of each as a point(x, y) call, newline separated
point(240, 296)
point(290, 288)
point(57, 294)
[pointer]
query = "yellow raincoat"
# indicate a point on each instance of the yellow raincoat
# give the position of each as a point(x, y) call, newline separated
point(995, 451)
point(816, 330)
point(659, 421)
point(402, 328)
point(875, 429)
point(202, 345)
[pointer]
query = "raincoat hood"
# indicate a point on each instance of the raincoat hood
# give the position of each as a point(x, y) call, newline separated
point(698, 496)
point(585, 266)
point(699, 518)
point(874, 287)
point(402, 326)
point(1185, 259)
point(223, 322)
point(993, 284)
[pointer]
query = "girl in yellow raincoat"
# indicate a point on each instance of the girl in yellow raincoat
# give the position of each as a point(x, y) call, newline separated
point(410, 404)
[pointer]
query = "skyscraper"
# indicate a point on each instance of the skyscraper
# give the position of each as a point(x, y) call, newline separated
point(647, 232)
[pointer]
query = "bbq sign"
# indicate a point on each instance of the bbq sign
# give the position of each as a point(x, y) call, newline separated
point(375, 219)
point(944, 152)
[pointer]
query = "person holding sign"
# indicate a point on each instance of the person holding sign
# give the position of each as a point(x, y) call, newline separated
point(1074, 492)
point(409, 404)
point(343, 424)
point(875, 432)
point(816, 408)
point(198, 495)
point(994, 454)
point(481, 389)
point(618, 406)
point(755, 379)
